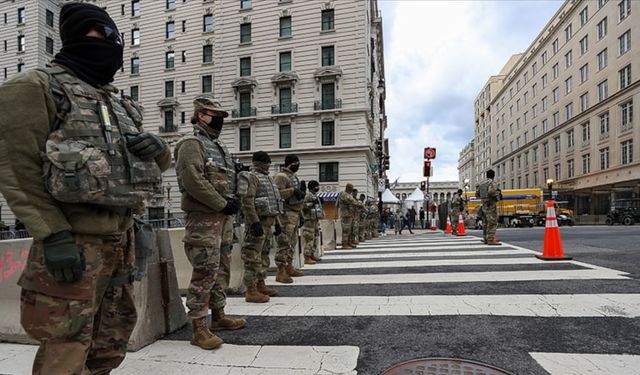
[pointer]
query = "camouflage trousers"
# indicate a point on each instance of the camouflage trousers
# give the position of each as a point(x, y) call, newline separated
point(255, 253)
point(453, 216)
point(489, 223)
point(355, 230)
point(203, 236)
point(82, 327)
point(363, 229)
point(347, 225)
point(224, 269)
point(311, 237)
point(288, 239)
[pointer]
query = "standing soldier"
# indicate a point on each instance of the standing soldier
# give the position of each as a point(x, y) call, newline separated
point(208, 201)
point(312, 213)
point(355, 226)
point(347, 204)
point(292, 190)
point(261, 205)
point(99, 167)
point(457, 208)
point(374, 219)
point(490, 194)
point(363, 232)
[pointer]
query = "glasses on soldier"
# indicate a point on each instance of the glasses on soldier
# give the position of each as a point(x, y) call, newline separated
point(110, 33)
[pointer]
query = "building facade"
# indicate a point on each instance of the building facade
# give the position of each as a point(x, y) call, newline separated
point(466, 164)
point(303, 77)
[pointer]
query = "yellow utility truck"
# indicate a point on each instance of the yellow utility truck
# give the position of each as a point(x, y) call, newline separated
point(517, 208)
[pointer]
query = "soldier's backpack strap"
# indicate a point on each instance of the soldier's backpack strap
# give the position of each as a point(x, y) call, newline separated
point(63, 105)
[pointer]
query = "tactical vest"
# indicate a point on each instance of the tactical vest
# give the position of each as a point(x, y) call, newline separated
point(314, 212)
point(86, 159)
point(483, 189)
point(267, 201)
point(292, 200)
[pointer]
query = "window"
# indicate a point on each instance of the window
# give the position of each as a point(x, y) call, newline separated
point(603, 90)
point(245, 104)
point(207, 84)
point(625, 76)
point(534, 111)
point(584, 45)
point(135, 8)
point(135, 37)
point(21, 43)
point(168, 122)
point(207, 54)
point(544, 57)
point(626, 112)
point(570, 139)
point(568, 33)
point(568, 84)
point(602, 28)
point(544, 81)
point(245, 66)
point(624, 42)
point(545, 103)
point(285, 27)
point(184, 26)
point(285, 100)
point(626, 152)
point(555, 46)
point(624, 8)
point(207, 23)
point(21, 15)
point(604, 158)
point(245, 4)
point(545, 150)
point(586, 163)
point(6, 73)
point(535, 178)
point(556, 119)
point(48, 45)
point(534, 89)
point(183, 87)
point(170, 30)
point(170, 60)
point(328, 95)
point(545, 125)
point(568, 59)
point(556, 144)
point(171, 4)
point(135, 65)
point(584, 73)
point(604, 125)
point(49, 17)
point(545, 174)
point(5, 45)
point(183, 118)
point(568, 111)
point(285, 136)
point(586, 133)
point(534, 155)
point(555, 94)
point(555, 70)
point(328, 133)
point(328, 172)
point(19, 67)
point(184, 56)
point(168, 89)
point(557, 172)
point(584, 16)
point(602, 59)
point(328, 56)
point(534, 67)
point(584, 102)
point(245, 33)
point(569, 168)
point(134, 92)
point(601, 3)
point(245, 139)
point(285, 61)
point(327, 20)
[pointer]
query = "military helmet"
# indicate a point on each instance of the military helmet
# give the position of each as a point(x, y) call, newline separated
point(206, 102)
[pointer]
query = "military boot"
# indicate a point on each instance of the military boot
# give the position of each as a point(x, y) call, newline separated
point(264, 289)
point(309, 260)
point(291, 271)
point(219, 321)
point(346, 245)
point(201, 335)
point(493, 241)
point(353, 245)
point(282, 276)
point(317, 259)
point(252, 295)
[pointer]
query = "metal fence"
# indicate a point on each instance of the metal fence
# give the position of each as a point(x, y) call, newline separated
point(13, 234)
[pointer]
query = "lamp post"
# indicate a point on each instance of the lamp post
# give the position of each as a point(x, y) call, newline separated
point(381, 153)
point(550, 186)
point(168, 189)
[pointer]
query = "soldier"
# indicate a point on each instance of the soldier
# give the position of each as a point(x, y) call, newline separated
point(355, 226)
point(261, 205)
point(374, 219)
point(208, 199)
point(490, 194)
point(347, 204)
point(292, 190)
point(457, 207)
point(312, 213)
point(363, 230)
point(100, 167)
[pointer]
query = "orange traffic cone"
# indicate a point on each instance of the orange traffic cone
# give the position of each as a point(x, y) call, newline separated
point(461, 231)
point(448, 229)
point(552, 246)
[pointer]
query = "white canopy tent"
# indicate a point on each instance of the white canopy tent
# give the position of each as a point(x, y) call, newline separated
point(389, 198)
point(414, 199)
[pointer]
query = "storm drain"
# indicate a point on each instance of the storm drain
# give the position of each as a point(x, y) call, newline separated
point(444, 366)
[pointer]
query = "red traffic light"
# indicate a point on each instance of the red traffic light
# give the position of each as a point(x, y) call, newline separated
point(426, 170)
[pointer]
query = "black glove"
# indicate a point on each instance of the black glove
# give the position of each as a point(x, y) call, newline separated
point(301, 221)
point(232, 207)
point(256, 229)
point(63, 258)
point(303, 186)
point(145, 145)
point(299, 194)
point(278, 230)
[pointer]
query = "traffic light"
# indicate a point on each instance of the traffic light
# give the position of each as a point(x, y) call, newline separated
point(385, 163)
point(378, 147)
point(423, 186)
point(426, 170)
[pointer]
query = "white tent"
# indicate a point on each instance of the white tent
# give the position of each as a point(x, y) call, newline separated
point(388, 197)
point(416, 196)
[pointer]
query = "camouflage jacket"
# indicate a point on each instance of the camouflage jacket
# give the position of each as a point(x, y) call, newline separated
point(287, 182)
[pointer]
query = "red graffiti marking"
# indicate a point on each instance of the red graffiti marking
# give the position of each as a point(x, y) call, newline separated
point(12, 261)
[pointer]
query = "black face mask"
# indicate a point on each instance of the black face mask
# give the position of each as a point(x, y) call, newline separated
point(216, 123)
point(294, 167)
point(315, 190)
point(93, 60)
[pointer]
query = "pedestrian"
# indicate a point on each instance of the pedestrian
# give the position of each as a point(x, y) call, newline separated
point(422, 217)
point(412, 217)
point(100, 168)
point(490, 194)
point(398, 219)
point(292, 190)
point(363, 232)
point(406, 222)
point(457, 208)
point(347, 205)
point(312, 213)
point(261, 206)
point(208, 199)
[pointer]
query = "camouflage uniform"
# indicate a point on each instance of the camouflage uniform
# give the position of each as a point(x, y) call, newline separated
point(226, 246)
point(312, 213)
point(347, 204)
point(84, 326)
point(374, 219)
point(490, 210)
point(457, 207)
point(290, 220)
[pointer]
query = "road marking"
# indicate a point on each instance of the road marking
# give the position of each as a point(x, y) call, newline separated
point(416, 248)
point(428, 263)
point(427, 254)
point(588, 364)
point(530, 305)
point(396, 245)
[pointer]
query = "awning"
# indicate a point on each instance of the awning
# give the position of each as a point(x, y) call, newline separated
point(329, 196)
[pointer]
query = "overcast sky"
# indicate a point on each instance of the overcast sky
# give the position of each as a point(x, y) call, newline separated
point(438, 56)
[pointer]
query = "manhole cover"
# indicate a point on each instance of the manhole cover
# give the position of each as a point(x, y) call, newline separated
point(444, 366)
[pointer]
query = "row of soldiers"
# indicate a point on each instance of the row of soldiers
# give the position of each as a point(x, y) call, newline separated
point(359, 218)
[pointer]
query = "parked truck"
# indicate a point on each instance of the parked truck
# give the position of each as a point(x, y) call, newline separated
point(517, 208)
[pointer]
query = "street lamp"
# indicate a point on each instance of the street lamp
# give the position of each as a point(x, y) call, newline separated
point(550, 186)
point(381, 153)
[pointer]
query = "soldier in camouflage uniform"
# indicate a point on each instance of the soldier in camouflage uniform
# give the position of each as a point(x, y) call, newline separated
point(56, 129)
point(207, 198)
point(457, 207)
point(261, 205)
point(292, 190)
point(490, 194)
point(312, 213)
point(357, 217)
point(347, 205)
point(374, 219)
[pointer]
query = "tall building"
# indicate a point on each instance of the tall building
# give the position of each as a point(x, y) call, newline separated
point(466, 165)
point(297, 76)
point(564, 111)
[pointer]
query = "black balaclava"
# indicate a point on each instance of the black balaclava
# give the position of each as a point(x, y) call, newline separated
point(290, 159)
point(93, 60)
point(314, 186)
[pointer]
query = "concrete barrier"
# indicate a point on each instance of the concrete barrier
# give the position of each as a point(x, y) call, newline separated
point(329, 240)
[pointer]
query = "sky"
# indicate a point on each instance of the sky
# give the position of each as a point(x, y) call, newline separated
point(439, 54)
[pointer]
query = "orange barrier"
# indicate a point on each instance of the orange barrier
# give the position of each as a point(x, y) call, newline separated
point(448, 229)
point(461, 231)
point(552, 246)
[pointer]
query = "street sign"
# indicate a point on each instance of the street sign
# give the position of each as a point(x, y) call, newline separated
point(374, 166)
point(429, 152)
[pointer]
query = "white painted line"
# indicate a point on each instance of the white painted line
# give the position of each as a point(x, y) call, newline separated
point(453, 277)
point(428, 263)
point(417, 248)
point(588, 364)
point(424, 254)
point(530, 305)
point(420, 244)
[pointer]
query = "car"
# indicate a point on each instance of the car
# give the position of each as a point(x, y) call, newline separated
point(624, 211)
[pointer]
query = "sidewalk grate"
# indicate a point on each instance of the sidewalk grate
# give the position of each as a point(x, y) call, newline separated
point(444, 366)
